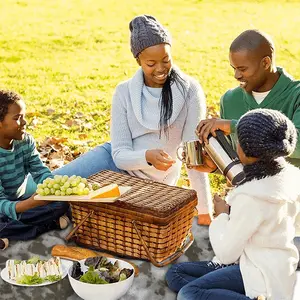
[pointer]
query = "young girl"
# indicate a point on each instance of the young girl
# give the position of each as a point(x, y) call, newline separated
point(255, 253)
point(153, 113)
point(22, 217)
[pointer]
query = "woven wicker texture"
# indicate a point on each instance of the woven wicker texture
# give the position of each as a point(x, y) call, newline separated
point(162, 225)
point(146, 196)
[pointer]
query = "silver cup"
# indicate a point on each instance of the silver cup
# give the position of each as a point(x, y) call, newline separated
point(193, 153)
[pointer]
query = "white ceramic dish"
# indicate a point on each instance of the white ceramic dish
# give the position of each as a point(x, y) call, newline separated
point(111, 291)
point(65, 267)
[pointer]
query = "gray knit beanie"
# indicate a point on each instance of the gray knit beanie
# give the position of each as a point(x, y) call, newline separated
point(266, 133)
point(146, 31)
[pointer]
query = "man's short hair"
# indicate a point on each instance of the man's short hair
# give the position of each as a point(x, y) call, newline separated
point(253, 39)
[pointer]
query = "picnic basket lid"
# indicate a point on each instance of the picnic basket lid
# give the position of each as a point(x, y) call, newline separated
point(146, 196)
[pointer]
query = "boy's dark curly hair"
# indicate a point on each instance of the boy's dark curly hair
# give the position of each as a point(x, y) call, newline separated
point(6, 99)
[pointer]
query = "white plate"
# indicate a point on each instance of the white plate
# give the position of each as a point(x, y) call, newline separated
point(65, 264)
point(86, 198)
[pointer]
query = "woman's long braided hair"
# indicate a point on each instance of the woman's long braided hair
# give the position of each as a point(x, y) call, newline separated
point(166, 100)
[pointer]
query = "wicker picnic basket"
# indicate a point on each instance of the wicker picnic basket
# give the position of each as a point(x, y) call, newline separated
point(151, 221)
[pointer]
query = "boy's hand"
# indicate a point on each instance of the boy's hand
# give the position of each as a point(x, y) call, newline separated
point(159, 159)
point(30, 203)
point(220, 206)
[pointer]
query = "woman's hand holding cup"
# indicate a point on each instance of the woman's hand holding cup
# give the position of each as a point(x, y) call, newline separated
point(159, 159)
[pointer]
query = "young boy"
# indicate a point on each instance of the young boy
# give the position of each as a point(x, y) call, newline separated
point(22, 217)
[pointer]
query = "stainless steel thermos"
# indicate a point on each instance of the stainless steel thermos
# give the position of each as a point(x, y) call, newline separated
point(226, 159)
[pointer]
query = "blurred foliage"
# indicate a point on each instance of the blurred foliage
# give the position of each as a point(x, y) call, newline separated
point(67, 56)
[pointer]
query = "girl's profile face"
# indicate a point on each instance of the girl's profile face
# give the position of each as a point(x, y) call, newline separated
point(245, 160)
point(156, 63)
point(240, 153)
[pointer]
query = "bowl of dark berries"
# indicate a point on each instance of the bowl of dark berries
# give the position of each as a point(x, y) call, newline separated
point(100, 277)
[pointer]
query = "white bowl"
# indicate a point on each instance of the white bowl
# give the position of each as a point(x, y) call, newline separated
point(111, 291)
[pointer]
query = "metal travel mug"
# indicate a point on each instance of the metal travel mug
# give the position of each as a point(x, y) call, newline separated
point(193, 153)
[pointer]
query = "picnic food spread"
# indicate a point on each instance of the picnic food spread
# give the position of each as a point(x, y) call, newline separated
point(76, 188)
point(65, 185)
point(34, 270)
point(78, 253)
point(100, 271)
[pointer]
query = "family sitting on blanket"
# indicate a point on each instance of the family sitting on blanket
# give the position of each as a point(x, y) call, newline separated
point(153, 113)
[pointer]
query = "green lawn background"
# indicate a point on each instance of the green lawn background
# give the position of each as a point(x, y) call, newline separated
point(68, 55)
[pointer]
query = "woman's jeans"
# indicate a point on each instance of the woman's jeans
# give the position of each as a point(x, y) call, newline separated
point(94, 161)
point(206, 280)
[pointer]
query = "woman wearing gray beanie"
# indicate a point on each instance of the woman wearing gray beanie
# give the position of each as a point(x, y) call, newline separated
point(252, 235)
point(153, 113)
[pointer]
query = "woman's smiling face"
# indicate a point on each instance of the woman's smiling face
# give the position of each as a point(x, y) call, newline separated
point(156, 63)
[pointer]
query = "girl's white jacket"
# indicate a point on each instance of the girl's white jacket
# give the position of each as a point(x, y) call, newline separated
point(259, 233)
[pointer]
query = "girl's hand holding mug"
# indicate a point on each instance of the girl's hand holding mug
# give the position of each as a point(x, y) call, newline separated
point(159, 159)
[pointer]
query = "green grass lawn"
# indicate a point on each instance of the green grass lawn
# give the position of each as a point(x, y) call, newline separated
point(68, 55)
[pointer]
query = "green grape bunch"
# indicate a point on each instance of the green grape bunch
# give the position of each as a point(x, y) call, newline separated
point(64, 186)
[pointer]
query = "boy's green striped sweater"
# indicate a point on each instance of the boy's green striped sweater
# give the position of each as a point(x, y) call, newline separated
point(284, 96)
point(15, 165)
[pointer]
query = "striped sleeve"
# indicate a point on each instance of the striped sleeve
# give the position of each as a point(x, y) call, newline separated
point(36, 167)
point(7, 207)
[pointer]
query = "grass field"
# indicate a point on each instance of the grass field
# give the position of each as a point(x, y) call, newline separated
point(68, 55)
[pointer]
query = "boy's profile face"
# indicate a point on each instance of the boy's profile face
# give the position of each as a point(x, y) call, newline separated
point(14, 124)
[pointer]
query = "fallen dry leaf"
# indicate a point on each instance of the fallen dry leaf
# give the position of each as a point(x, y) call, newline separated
point(83, 136)
point(32, 114)
point(53, 141)
point(50, 111)
point(87, 125)
point(79, 143)
point(74, 122)
point(69, 123)
point(55, 153)
point(33, 123)
point(78, 115)
point(55, 163)
point(65, 127)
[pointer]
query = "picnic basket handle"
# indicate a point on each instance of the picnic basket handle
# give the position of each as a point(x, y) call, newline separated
point(73, 231)
point(169, 259)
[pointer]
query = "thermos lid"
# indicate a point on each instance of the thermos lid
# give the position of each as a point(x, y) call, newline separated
point(238, 179)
